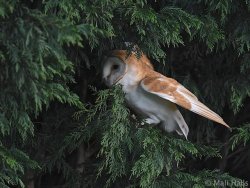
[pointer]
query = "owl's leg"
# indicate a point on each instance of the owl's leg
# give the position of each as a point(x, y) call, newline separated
point(169, 125)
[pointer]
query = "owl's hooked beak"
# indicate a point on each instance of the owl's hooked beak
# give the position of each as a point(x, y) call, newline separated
point(108, 82)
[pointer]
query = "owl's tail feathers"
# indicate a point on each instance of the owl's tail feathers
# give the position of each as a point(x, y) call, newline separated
point(182, 128)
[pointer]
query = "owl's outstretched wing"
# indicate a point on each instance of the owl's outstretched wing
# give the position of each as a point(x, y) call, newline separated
point(173, 91)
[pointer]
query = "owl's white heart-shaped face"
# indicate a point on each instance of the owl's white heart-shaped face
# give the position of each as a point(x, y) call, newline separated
point(113, 70)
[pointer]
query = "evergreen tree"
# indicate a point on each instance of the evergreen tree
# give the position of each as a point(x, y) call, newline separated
point(60, 126)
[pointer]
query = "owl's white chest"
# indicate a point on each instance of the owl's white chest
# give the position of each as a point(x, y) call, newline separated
point(147, 104)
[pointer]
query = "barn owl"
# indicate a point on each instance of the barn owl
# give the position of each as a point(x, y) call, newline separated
point(153, 95)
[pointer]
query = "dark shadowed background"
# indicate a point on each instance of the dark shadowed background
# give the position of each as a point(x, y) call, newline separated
point(61, 127)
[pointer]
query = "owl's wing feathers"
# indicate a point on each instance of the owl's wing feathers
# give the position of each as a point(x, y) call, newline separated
point(173, 91)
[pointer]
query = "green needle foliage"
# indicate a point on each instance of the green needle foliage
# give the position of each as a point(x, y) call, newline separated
point(159, 158)
point(60, 126)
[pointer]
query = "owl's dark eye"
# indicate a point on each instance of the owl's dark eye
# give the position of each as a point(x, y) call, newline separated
point(115, 67)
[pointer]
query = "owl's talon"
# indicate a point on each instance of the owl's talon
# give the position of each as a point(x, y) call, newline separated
point(151, 121)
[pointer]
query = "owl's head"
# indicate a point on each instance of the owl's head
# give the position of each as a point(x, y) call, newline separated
point(120, 62)
point(113, 70)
